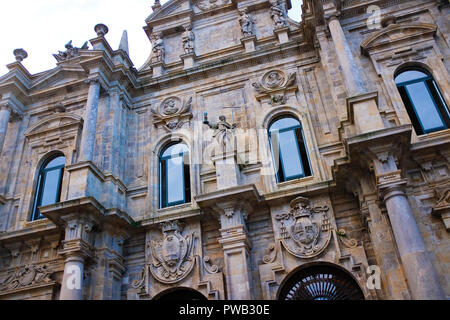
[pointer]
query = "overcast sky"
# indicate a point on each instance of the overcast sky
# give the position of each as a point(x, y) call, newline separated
point(42, 27)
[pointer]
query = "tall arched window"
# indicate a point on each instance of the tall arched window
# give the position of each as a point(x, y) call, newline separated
point(423, 100)
point(288, 149)
point(175, 185)
point(48, 189)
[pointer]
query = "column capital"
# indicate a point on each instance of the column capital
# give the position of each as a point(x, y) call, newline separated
point(331, 16)
point(92, 80)
point(393, 189)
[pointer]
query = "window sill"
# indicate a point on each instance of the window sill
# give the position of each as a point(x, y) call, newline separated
point(294, 182)
point(434, 134)
point(35, 223)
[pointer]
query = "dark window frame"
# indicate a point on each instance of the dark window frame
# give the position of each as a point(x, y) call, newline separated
point(163, 188)
point(40, 186)
point(301, 147)
point(434, 93)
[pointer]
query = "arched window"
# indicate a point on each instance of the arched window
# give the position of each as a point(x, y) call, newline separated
point(423, 100)
point(48, 189)
point(320, 282)
point(175, 185)
point(288, 149)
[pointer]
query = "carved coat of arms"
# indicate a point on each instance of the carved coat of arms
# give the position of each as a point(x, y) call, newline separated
point(304, 231)
point(173, 256)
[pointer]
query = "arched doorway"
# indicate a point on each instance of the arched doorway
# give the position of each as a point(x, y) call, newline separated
point(320, 282)
point(180, 294)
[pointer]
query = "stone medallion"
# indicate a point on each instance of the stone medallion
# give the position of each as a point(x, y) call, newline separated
point(305, 230)
point(273, 79)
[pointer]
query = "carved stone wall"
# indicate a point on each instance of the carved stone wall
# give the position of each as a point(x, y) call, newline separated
point(239, 216)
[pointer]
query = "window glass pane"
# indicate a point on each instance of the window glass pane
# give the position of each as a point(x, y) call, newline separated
point(424, 105)
point(290, 156)
point(175, 150)
point(175, 180)
point(409, 76)
point(284, 124)
point(59, 161)
point(50, 191)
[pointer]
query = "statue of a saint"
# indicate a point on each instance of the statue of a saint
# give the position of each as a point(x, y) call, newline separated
point(278, 15)
point(158, 48)
point(188, 38)
point(246, 23)
point(223, 132)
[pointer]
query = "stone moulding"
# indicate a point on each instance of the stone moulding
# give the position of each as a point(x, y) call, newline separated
point(388, 35)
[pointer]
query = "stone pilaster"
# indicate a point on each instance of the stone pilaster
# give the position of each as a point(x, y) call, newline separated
point(5, 113)
point(115, 110)
point(236, 249)
point(90, 121)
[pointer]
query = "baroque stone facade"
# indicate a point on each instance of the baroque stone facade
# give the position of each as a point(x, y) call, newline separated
point(219, 74)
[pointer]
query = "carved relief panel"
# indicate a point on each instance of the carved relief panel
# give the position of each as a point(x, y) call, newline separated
point(275, 87)
point(174, 257)
point(305, 230)
point(172, 113)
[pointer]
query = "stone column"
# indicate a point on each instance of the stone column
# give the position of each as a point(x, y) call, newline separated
point(385, 253)
point(76, 248)
point(350, 70)
point(422, 278)
point(363, 105)
point(236, 246)
point(72, 283)
point(5, 113)
point(90, 121)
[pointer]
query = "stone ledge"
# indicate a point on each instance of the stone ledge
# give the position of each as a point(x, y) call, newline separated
point(86, 205)
point(246, 192)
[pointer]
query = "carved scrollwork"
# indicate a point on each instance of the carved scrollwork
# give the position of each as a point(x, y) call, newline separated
point(209, 266)
point(139, 283)
point(349, 243)
point(270, 258)
point(172, 113)
point(26, 276)
point(274, 84)
point(305, 231)
point(172, 257)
